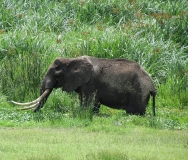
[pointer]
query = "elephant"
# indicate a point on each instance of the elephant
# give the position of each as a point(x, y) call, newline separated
point(116, 83)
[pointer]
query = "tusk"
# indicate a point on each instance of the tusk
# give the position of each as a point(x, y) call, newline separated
point(29, 107)
point(35, 101)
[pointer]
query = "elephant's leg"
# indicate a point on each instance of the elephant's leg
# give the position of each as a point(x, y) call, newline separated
point(136, 107)
point(136, 110)
point(89, 101)
point(96, 107)
point(83, 100)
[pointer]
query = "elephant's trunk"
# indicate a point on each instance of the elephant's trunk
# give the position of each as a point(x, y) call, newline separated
point(46, 85)
point(42, 102)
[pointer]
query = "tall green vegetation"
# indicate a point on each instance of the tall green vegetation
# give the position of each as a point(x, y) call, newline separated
point(153, 33)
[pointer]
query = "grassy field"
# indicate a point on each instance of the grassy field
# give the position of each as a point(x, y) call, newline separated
point(133, 143)
point(34, 33)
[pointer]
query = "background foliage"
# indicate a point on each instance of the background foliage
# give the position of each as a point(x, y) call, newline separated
point(34, 33)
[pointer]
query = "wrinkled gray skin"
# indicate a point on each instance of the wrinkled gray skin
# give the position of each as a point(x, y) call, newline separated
point(116, 83)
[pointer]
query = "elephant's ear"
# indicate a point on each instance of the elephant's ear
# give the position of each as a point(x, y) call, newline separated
point(78, 73)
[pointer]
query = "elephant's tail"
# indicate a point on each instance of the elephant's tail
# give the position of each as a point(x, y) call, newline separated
point(153, 93)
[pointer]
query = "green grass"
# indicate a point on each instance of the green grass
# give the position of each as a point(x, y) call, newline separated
point(34, 33)
point(79, 143)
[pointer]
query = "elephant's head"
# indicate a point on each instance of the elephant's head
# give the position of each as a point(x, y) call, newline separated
point(68, 73)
